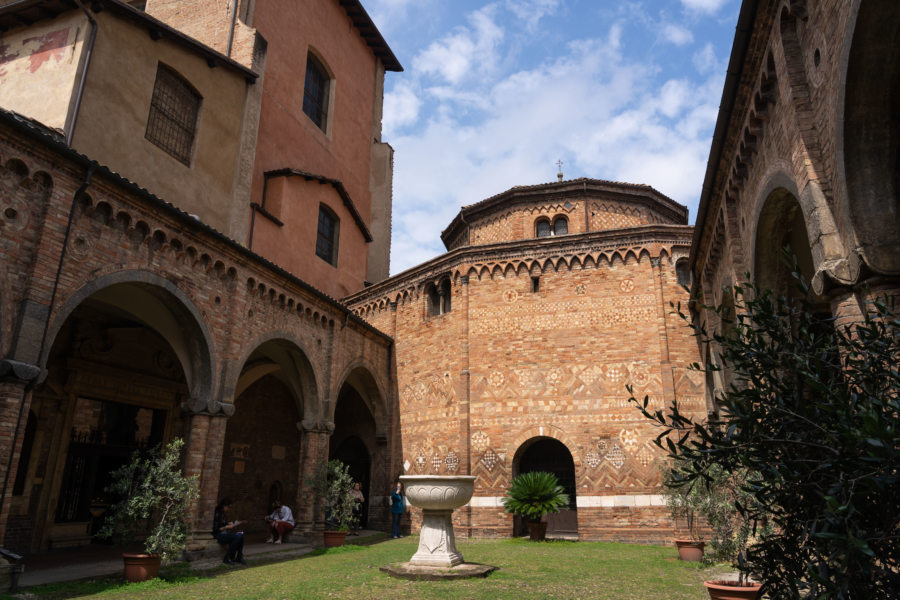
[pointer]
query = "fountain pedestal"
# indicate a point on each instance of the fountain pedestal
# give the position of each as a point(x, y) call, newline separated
point(437, 496)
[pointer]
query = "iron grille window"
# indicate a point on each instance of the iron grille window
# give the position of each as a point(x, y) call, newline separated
point(172, 122)
point(542, 228)
point(326, 240)
point(315, 91)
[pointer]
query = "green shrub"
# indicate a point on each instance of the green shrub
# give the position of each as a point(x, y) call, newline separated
point(532, 495)
point(154, 494)
point(812, 417)
point(333, 484)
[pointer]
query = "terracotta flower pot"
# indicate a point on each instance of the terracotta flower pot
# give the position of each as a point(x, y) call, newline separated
point(690, 550)
point(141, 567)
point(334, 538)
point(537, 531)
point(732, 590)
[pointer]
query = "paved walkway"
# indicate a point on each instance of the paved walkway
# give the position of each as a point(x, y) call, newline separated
point(100, 560)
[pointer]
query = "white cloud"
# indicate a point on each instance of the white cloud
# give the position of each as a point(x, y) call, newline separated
point(705, 6)
point(531, 11)
point(604, 115)
point(705, 60)
point(467, 50)
point(401, 107)
point(677, 35)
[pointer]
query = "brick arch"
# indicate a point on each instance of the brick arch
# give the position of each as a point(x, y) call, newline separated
point(550, 431)
point(290, 356)
point(359, 374)
point(185, 329)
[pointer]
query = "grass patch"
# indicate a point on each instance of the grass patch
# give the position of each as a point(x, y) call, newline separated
point(528, 570)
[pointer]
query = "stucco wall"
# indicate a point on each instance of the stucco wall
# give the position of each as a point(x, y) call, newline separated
point(39, 66)
point(116, 106)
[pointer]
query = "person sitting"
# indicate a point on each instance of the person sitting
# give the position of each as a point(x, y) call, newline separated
point(225, 533)
point(281, 521)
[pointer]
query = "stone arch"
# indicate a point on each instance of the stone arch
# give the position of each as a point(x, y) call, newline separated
point(283, 355)
point(160, 305)
point(868, 131)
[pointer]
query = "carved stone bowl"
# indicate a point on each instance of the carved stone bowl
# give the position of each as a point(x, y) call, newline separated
point(438, 492)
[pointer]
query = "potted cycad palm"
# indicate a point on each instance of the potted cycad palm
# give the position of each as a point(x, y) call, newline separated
point(154, 498)
point(533, 495)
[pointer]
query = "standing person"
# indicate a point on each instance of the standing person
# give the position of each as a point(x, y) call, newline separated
point(398, 507)
point(224, 532)
point(358, 500)
point(281, 521)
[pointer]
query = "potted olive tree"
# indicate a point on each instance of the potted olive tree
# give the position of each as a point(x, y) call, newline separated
point(810, 418)
point(332, 482)
point(533, 495)
point(154, 500)
point(685, 500)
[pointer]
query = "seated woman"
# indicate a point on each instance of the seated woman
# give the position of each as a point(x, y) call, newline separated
point(281, 521)
point(224, 532)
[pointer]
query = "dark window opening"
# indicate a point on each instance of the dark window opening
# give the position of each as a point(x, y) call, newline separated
point(25, 455)
point(315, 92)
point(172, 123)
point(535, 285)
point(327, 236)
point(683, 272)
point(438, 298)
point(542, 228)
point(560, 226)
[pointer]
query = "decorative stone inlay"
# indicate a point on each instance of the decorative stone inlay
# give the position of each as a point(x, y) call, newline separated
point(592, 459)
point(437, 496)
point(420, 462)
point(490, 459)
point(644, 456)
point(436, 462)
point(496, 378)
point(627, 286)
point(629, 437)
point(480, 441)
point(406, 465)
point(616, 457)
point(452, 461)
point(580, 289)
point(510, 296)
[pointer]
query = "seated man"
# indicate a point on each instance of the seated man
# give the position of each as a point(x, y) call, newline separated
point(281, 521)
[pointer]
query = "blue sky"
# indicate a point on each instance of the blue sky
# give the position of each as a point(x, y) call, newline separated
point(494, 93)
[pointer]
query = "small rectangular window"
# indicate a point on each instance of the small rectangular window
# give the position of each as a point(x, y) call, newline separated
point(172, 122)
point(327, 236)
point(535, 285)
point(315, 92)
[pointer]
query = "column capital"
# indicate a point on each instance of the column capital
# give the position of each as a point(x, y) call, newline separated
point(16, 370)
point(314, 426)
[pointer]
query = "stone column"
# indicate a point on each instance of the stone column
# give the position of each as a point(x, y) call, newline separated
point(203, 458)
point(309, 517)
point(16, 379)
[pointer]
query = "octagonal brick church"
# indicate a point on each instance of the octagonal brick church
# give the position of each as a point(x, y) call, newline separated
point(514, 349)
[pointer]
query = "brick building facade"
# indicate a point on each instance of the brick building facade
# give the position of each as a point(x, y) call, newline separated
point(513, 351)
point(806, 153)
point(130, 317)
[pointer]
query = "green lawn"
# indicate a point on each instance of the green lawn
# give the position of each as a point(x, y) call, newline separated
point(527, 570)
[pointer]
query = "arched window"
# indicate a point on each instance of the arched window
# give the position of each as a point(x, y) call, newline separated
point(683, 272)
point(438, 298)
point(542, 228)
point(560, 226)
point(327, 235)
point(315, 92)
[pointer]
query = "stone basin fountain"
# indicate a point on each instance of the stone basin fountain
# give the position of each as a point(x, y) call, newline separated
point(437, 557)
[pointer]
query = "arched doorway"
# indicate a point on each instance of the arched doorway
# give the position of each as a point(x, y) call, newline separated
point(551, 455)
point(261, 454)
point(357, 441)
point(119, 371)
